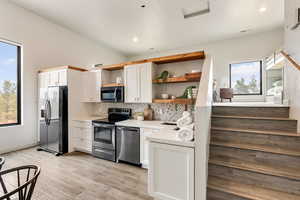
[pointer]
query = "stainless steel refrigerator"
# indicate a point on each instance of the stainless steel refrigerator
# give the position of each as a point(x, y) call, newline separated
point(54, 119)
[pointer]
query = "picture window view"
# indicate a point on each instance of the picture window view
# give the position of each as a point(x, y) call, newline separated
point(246, 78)
point(9, 84)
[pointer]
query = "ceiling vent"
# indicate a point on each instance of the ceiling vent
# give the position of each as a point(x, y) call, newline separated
point(298, 23)
point(197, 13)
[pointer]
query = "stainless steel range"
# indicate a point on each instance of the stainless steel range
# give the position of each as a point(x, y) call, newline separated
point(104, 140)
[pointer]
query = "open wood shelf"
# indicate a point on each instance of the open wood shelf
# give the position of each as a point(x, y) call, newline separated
point(114, 67)
point(160, 60)
point(49, 69)
point(175, 101)
point(112, 85)
point(178, 58)
point(181, 79)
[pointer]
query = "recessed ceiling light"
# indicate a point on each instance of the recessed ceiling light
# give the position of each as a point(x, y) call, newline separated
point(143, 6)
point(135, 39)
point(263, 9)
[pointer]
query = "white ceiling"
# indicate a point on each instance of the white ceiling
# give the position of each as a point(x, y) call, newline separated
point(160, 25)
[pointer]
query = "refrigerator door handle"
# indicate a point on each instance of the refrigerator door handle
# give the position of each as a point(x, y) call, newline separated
point(49, 110)
point(46, 112)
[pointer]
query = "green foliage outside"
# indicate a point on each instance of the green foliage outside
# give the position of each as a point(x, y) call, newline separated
point(8, 103)
point(241, 87)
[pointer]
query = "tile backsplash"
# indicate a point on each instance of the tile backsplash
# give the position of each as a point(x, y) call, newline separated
point(164, 112)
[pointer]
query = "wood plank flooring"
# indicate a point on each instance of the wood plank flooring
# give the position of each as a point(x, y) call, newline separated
point(78, 176)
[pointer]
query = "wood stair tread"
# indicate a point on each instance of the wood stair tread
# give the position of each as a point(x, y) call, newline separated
point(248, 117)
point(256, 167)
point(247, 191)
point(254, 147)
point(264, 132)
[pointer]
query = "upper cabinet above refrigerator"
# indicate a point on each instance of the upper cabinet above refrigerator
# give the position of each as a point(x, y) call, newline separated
point(53, 78)
point(138, 83)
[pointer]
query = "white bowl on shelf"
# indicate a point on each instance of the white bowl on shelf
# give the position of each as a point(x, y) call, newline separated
point(165, 96)
point(196, 71)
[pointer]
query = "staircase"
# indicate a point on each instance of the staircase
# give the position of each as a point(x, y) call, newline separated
point(254, 154)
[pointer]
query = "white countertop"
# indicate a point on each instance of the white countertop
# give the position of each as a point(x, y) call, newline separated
point(89, 118)
point(143, 124)
point(165, 134)
point(249, 104)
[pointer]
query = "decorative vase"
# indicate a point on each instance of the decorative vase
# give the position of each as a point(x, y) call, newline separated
point(148, 113)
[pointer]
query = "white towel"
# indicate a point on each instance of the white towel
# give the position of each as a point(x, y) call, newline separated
point(185, 134)
point(184, 121)
point(186, 114)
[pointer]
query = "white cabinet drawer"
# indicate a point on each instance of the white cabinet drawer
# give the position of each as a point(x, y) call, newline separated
point(83, 133)
point(82, 124)
point(82, 145)
point(81, 138)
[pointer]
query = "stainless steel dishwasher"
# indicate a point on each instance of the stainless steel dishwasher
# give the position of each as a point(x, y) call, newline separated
point(128, 145)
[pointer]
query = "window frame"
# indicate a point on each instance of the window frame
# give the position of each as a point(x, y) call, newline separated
point(261, 77)
point(18, 84)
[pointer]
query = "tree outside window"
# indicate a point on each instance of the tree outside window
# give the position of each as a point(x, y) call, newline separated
point(10, 108)
point(246, 78)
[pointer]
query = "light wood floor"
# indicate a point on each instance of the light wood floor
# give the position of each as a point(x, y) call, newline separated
point(79, 176)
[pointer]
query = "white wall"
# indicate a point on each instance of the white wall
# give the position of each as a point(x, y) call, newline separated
point(44, 44)
point(292, 47)
point(247, 48)
point(202, 128)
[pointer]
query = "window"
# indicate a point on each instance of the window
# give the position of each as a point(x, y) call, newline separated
point(274, 74)
point(10, 84)
point(246, 78)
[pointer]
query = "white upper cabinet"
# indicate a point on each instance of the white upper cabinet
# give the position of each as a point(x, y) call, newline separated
point(146, 83)
point(53, 78)
point(62, 78)
point(138, 83)
point(44, 80)
point(131, 78)
point(91, 84)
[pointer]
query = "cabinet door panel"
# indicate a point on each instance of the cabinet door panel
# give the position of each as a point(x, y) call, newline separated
point(145, 94)
point(131, 77)
point(167, 182)
point(54, 78)
point(44, 80)
point(145, 146)
point(62, 75)
point(91, 83)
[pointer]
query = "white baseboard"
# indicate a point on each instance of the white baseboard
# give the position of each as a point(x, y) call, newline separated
point(18, 148)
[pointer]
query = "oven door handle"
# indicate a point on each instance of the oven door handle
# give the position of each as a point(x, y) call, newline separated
point(114, 138)
point(103, 125)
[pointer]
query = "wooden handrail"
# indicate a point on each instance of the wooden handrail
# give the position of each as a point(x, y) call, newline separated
point(289, 58)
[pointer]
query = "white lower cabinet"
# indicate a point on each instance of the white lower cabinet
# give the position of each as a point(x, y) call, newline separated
point(144, 145)
point(171, 172)
point(82, 136)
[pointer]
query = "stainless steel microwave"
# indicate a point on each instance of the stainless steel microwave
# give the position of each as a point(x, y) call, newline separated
point(112, 94)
